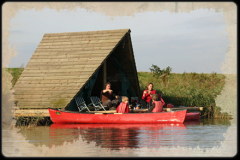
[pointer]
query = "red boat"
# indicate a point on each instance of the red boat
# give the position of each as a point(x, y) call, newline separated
point(189, 116)
point(59, 116)
point(192, 116)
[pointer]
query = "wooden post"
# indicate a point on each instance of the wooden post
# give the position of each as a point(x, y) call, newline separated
point(104, 73)
point(134, 65)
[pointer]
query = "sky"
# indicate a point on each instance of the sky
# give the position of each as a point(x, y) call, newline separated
point(187, 42)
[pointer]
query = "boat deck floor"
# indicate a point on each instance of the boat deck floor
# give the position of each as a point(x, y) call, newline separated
point(108, 111)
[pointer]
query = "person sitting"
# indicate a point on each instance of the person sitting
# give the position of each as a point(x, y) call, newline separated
point(108, 98)
point(123, 107)
point(146, 97)
point(157, 106)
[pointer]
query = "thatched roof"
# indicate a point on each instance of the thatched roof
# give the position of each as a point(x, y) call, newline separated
point(62, 64)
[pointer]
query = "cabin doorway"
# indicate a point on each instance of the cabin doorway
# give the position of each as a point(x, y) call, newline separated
point(113, 76)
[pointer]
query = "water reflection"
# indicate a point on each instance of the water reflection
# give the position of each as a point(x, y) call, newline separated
point(192, 134)
point(119, 136)
point(207, 134)
point(221, 122)
point(193, 122)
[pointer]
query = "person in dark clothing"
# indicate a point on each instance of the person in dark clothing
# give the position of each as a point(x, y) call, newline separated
point(108, 98)
point(157, 106)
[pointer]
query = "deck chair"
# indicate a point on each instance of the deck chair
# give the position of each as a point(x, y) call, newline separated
point(134, 99)
point(96, 103)
point(81, 104)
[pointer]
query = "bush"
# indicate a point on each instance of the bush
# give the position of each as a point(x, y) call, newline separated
point(187, 89)
point(167, 70)
point(157, 72)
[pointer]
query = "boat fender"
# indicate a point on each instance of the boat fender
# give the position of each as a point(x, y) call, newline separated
point(169, 105)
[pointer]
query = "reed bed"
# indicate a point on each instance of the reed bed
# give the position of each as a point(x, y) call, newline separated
point(33, 121)
point(188, 89)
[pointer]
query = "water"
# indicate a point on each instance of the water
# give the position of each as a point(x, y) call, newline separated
point(203, 138)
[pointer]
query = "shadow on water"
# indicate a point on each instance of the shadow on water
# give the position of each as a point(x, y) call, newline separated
point(192, 134)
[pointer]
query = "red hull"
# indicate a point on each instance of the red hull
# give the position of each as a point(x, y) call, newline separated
point(176, 126)
point(192, 116)
point(58, 116)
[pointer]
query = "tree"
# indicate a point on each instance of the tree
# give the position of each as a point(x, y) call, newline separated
point(157, 72)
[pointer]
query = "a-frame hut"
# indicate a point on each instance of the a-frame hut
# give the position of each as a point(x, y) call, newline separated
point(65, 65)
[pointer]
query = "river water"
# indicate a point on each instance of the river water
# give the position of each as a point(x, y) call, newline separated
point(204, 138)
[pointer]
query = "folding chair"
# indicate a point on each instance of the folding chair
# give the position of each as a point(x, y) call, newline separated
point(134, 100)
point(97, 103)
point(81, 104)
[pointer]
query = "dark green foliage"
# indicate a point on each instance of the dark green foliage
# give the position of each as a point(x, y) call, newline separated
point(187, 89)
point(157, 72)
point(167, 70)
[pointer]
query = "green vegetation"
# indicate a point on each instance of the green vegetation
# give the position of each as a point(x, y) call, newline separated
point(15, 72)
point(187, 89)
point(33, 121)
point(157, 72)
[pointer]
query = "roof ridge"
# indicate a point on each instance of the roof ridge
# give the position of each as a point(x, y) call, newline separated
point(127, 29)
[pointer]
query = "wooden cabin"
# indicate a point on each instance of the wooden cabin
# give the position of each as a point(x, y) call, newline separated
point(66, 64)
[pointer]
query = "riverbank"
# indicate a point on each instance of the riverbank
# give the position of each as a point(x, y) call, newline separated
point(189, 89)
point(186, 89)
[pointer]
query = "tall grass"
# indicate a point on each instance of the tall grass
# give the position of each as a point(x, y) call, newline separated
point(33, 121)
point(188, 89)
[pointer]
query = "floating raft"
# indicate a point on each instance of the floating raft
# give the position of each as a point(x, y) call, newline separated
point(188, 108)
point(45, 112)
